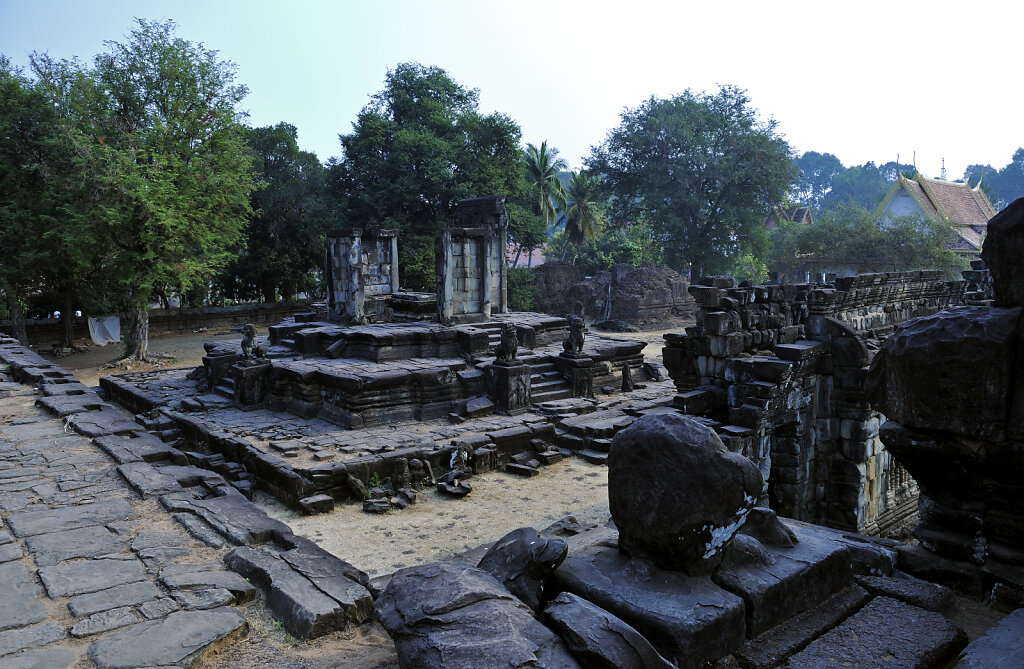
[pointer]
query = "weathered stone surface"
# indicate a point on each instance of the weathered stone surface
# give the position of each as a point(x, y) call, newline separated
point(1002, 253)
point(689, 619)
point(460, 617)
point(205, 576)
point(235, 517)
point(179, 639)
point(77, 578)
point(774, 646)
point(46, 658)
point(677, 495)
point(304, 609)
point(144, 447)
point(925, 595)
point(148, 480)
point(22, 605)
point(112, 598)
point(1002, 647)
point(599, 639)
point(94, 541)
point(335, 577)
point(204, 599)
point(31, 521)
point(200, 529)
point(885, 633)
point(792, 581)
point(158, 608)
point(523, 561)
point(105, 621)
point(14, 640)
point(964, 352)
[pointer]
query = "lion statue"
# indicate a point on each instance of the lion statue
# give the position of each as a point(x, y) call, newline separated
point(250, 347)
point(574, 343)
point(506, 350)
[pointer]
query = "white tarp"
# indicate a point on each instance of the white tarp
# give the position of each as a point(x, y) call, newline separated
point(105, 330)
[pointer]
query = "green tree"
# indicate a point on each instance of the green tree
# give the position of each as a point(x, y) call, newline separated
point(173, 166)
point(284, 239)
point(542, 169)
point(857, 238)
point(701, 168)
point(860, 185)
point(419, 147)
point(49, 234)
point(815, 174)
point(585, 208)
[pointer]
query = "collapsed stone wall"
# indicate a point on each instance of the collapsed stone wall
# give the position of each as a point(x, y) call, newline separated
point(781, 371)
point(647, 295)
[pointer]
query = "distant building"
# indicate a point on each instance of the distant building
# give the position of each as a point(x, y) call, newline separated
point(791, 214)
point(967, 209)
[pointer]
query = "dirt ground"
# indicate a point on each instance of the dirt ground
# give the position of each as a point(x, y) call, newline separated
point(184, 350)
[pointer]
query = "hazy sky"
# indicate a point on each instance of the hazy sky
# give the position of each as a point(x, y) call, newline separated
point(863, 80)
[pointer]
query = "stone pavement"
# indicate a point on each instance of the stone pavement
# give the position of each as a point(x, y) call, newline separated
point(93, 575)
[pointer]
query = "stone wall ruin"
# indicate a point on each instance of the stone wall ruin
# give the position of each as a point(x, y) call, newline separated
point(361, 269)
point(472, 280)
point(781, 370)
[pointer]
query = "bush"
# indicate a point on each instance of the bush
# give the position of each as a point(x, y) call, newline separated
point(520, 289)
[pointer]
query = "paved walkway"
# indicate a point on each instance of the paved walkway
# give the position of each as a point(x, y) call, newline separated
point(92, 575)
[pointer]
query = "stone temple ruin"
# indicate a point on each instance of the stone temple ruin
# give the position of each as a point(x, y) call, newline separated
point(750, 495)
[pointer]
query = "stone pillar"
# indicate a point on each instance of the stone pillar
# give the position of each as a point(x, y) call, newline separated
point(508, 384)
point(394, 264)
point(445, 287)
point(578, 370)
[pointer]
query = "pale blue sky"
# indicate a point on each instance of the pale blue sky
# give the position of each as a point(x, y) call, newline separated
point(862, 80)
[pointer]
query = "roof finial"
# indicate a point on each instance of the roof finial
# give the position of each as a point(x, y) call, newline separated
point(942, 174)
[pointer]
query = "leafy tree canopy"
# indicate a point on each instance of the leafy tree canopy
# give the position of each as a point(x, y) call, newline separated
point(701, 168)
point(284, 238)
point(419, 147)
point(857, 238)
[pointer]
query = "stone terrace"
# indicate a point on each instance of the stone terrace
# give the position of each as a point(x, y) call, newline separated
point(89, 568)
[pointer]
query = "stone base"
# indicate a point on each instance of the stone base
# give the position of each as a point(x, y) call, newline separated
point(578, 370)
point(690, 620)
point(252, 380)
point(508, 384)
point(797, 579)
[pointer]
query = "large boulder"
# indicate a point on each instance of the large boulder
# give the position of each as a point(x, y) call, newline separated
point(599, 639)
point(460, 617)
point(522, 561)
point(1003, 253)
point(676, 494)
point(950, 372)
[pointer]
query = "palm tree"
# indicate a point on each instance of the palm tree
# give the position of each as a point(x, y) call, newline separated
point(584, 211)
point(542, 168)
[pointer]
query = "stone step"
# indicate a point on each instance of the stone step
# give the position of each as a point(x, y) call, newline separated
point(550, 395)
point(592, 456)
point(551, 384)
point(887, 633)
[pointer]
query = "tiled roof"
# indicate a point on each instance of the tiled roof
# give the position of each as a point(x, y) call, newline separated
point(957, 201)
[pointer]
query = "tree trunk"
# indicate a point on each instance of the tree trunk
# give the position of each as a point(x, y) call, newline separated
point(267, 288)
point(18, 330)
point(67, 321)
point(136, 340)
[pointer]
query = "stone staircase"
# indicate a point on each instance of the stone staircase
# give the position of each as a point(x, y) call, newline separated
point(226, 387)
point(547, 383)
